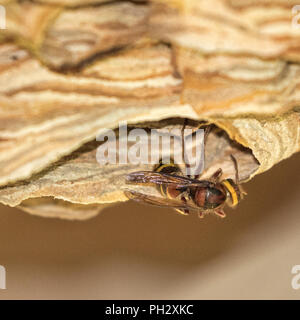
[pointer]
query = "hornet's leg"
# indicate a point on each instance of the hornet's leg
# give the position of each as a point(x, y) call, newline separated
point(183, 211)
point(220, 213)
point(200, 214)
point(216, 176)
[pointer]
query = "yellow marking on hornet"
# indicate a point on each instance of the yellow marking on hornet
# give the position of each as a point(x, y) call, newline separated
point(162, 191)
point(181, 212)
point(168, 194)
point(232, 192)
point(161, 187)
point(165, 166)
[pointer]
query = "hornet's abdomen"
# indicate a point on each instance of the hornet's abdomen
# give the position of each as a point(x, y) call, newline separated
point(169, 168)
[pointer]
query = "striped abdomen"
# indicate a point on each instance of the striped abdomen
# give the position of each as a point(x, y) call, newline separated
point(169, 168)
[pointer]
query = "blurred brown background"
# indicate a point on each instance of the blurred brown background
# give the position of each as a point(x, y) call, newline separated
point(132, 251)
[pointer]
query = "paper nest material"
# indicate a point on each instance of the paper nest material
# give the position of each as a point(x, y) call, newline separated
point(234, 64)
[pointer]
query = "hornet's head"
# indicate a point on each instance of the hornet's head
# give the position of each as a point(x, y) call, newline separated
point(235, 193)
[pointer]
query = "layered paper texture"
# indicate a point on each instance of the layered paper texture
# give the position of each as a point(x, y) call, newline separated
point(69, 71)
